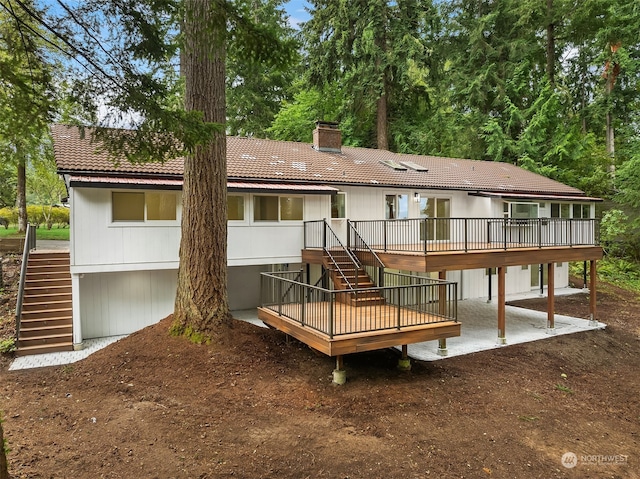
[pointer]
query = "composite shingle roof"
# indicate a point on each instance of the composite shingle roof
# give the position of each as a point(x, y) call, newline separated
point(250, 159)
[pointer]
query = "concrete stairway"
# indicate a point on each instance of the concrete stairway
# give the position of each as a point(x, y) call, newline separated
point(346, 275)
point(46, 321)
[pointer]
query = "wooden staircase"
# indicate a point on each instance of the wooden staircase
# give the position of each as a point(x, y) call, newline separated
point(343, 273)
point(46, 321)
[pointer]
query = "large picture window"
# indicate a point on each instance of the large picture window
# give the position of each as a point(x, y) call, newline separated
point(149, 206)
point(278, 208)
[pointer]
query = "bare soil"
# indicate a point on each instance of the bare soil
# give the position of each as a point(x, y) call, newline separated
point(262, 406)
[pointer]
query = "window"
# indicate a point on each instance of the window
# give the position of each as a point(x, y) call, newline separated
point(235, 207)
point(440, 210)
point(524, 210)
point(161, 206)
point(581, 211)
point(338, 206)
point(560, 210)
point(274, 208)
point(396, 207)
point(291, 208)
point(265, 208)
point(130, 206)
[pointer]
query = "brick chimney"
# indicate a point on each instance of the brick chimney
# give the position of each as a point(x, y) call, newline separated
point(327, 137)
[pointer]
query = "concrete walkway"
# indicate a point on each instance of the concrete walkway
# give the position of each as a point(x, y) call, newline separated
point(479, 322)
point(52, 245)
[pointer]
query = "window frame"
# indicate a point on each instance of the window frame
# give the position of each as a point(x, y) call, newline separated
point(278, 209)
point(118, 223)
point(342, 194)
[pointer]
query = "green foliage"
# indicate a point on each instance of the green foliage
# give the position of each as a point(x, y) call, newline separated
point(7, 346)
point(10, 214)
point(188, 332)
point(255, 90)
point(621, 272)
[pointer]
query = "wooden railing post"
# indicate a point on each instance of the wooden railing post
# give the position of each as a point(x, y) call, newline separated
point(330, 325)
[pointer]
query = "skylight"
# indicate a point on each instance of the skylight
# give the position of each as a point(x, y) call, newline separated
point(392, 164)
point(414, 166)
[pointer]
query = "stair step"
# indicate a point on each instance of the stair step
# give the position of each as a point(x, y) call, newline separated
point(40, 269)
point(367, 301)
point(26, 333)
point(46, 305)
point(45, 261)
point(45, 283)
point(46, 313)
point(45, 322)
point(38, 290)
point(45, 339)
point(49, 254)
point(42, 349)
point(50, 275)
point(31, 297)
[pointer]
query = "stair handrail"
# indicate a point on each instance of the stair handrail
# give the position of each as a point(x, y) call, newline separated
point(29, 244)
point(362, 242)
point(354, 260)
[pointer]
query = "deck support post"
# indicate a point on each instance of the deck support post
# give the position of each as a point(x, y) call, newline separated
point(78, 342)
point(404, 363)
point(592, 294)
point(442, 347)
point(551, 326)
point(502, 339)
point(339, 374)
point(442, 310)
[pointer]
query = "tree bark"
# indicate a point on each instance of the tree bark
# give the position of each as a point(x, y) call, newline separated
point(21, 194)
point(551, 44)
point(610, 135)
point(201, 306)
point(382, 124)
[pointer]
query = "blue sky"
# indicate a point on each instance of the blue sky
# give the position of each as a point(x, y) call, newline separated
point(296, 11)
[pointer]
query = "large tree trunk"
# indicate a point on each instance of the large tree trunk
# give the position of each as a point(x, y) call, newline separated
point(551, 44)
point(201, 306)
point(21, 195)
point(610, 138)
point(382, 124)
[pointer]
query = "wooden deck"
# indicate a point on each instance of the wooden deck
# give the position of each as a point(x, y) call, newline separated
point(358, 329)
point(452, 257)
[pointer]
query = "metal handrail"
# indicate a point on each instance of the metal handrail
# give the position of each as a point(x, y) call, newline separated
point(362, 242)
point(425, 235)
point(429, 300)
point(29, 244)
point(331, 240)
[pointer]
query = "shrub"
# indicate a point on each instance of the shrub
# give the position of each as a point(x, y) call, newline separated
point(60, 216)
point(10, 214)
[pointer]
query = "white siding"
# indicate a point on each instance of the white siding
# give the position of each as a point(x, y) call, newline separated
point(121, 303)
point(100, 245)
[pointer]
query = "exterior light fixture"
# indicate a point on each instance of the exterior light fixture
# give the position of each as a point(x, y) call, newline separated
point(416, 197)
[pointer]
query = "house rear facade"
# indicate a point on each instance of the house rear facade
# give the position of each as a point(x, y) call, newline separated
point(125, 219)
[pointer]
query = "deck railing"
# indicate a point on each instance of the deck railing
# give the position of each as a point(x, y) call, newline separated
point(409, 301)
point(29, 244)
point(425, 235)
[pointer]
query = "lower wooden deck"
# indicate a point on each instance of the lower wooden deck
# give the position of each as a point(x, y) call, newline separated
point(454, 258)
point(375, 327)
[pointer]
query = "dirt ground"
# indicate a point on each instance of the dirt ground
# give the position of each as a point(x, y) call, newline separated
point(260, 406)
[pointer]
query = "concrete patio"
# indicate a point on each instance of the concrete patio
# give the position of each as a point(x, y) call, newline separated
point(477, 317)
